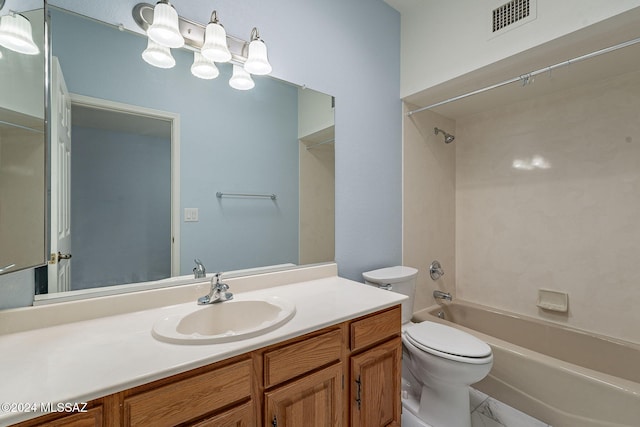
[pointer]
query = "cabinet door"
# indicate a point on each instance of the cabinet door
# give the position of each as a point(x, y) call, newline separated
point(312, 401)
point(375, 386)
point(240, 416)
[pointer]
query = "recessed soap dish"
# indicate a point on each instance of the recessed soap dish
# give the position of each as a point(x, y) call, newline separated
point(553, 300)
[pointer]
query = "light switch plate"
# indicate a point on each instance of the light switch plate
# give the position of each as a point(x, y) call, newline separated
point(190, 214)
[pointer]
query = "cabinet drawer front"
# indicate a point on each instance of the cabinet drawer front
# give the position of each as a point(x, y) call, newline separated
point(304, 356)
point(189, 398)
point(375, 328)
point(92, 418)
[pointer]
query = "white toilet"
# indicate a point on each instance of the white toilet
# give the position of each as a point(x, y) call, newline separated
point(439, 362)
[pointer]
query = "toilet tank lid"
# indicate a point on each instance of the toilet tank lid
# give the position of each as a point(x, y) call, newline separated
point(390, 274)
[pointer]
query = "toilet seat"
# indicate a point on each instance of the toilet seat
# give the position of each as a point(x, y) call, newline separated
point(447, 342)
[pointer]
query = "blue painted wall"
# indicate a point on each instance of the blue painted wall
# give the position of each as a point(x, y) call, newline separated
point(231, 141)
point(121, 185)
point(350, 49)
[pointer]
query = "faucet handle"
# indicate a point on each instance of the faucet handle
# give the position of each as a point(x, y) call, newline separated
point(217, 284)
point(199, 271)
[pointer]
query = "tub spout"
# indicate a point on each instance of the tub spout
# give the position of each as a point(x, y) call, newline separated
point(442, 295)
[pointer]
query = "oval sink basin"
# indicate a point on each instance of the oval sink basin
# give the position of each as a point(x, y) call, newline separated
point(224, 322)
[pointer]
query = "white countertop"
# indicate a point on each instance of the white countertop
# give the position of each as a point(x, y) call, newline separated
point(85, 360)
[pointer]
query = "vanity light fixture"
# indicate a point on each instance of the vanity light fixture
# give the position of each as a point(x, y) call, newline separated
point(215, 41)
point(203, 68)
point(257, 62)
point(210, 43)
point(158, 55)
point(16, 33)
point(240, 79)
point(165, 29)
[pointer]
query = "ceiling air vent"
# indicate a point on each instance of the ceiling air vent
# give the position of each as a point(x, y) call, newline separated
point(515, 11)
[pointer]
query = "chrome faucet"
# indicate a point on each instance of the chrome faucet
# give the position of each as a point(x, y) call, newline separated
point(199, 271)
point(442, 295)
point(218, 292)
point(435, 270)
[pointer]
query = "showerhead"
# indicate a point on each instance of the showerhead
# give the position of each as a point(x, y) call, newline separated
point(448, 138)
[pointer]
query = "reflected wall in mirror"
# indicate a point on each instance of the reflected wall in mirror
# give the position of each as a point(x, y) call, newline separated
point(22, 146)
point(151, 148)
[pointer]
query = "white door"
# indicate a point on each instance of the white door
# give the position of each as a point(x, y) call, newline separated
point(60, 262)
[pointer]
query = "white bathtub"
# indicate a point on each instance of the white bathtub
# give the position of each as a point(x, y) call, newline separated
point(562, 376)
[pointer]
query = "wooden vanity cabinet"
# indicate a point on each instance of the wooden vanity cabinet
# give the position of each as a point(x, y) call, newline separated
point(190, 399)
point(344, 375)
point(93, 417)
point(303, 381)
point(376, 369)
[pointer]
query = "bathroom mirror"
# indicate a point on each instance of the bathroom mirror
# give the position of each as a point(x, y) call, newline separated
point(22, 146)
point(165, 167)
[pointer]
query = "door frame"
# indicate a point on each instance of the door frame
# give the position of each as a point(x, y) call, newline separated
point(174, 118)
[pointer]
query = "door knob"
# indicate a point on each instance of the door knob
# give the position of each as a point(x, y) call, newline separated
point(59, 256)
point(63, 256)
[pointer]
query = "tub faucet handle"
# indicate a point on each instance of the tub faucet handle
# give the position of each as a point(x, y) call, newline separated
point(435, 270)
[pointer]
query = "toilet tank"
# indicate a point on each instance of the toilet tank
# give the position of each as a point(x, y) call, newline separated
point(398, 279)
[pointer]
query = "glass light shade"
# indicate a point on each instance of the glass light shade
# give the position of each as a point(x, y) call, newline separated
point(215, 43)
point(203, 68)
point(240, 79)
point(158, 56)
point(165, 29)
point(15, 34)
point(257, 61)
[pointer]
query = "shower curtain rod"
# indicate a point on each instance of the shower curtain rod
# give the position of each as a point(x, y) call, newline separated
point(525, 79)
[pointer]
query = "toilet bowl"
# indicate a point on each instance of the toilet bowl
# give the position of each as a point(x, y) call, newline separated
point(445, 361)
point(439, 362)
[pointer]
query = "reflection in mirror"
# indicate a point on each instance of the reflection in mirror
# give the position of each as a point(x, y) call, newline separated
point(22, 142)
point(149, 149)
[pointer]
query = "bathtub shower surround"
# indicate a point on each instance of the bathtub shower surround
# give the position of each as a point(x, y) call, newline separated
point(562, 376)
point(429, 192)
point(548, 196)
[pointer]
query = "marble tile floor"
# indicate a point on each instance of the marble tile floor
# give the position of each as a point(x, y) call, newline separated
point(489, 412)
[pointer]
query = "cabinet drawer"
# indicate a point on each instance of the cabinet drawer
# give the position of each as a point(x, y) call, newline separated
point(304, 356)
point(92, 418)
point(190, 398)
point(375, 328)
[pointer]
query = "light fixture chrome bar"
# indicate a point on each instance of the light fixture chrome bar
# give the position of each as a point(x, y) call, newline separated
point(220, 195)
point(526, 78)
point(193, 32)
point(328, 141)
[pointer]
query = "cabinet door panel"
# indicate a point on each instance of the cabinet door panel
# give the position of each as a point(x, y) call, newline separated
point(240, 416)
point(312, 401)
point(375, 386)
